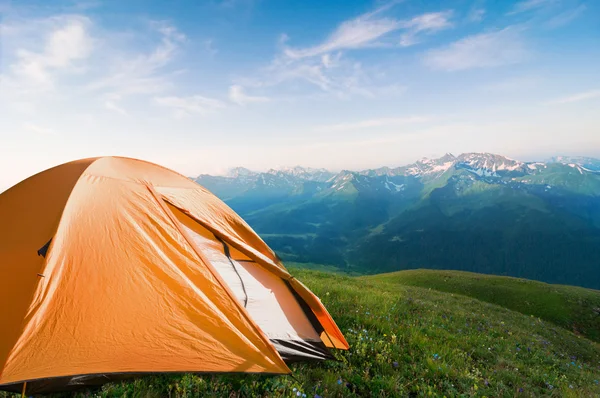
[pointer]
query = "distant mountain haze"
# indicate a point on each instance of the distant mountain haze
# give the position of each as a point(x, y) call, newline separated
point(475, 212)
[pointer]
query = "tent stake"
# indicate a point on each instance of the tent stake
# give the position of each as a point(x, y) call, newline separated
point(23, 392)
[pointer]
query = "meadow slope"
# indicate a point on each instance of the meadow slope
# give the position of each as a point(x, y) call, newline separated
point(570, 307)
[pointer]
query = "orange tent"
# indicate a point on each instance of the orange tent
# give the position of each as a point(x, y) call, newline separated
point(114, 267)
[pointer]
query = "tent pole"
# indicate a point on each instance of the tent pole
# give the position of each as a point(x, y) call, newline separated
point(23, 392)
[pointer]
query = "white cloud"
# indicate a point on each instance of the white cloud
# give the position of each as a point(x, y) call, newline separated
point(326, 65)
point(328, 61)
point(237, 95)
point(503, 47)
point(365, 30)
point(66, 41)
point(529, 5)
point(111, 105)
point(566, 17)
point(20, 106)
point(142, 73)
point(334, 75)
point(312, 70)
point(185, 106)
point(368, 124)
point(425, 23)
point(433, 21)
point(37, 129)
point(353, 34)
point(67, 58)
point(578, 97)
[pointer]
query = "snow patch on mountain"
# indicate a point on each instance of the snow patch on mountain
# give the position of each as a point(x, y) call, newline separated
point(488, 161)
point(483, 172)
point(588, 164)
point(392, 186)
point(577, 167)
point(428, 167)
point(238, 172)
point(441, 168)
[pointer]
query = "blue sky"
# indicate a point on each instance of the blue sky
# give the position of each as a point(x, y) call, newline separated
point(202, 86)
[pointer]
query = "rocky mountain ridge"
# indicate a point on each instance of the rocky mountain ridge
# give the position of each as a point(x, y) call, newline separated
point(482, 165)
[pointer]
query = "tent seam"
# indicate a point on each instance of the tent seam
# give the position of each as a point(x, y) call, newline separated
point(286, 275)
point(226, 250)
point(139, 182)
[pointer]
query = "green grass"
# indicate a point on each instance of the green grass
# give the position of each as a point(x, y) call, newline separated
point(413, 341)
point(570, 307)
point(317, 267)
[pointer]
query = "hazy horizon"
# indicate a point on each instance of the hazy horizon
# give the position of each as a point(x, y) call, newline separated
point(207, 86)
point(335, 170)
point(226, 171)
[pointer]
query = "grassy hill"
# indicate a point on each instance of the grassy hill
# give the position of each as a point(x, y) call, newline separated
point(572, 308)
point(408, 338)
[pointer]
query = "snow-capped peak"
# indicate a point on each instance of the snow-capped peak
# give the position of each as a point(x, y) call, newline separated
point(306, 173)
point(237, 172)
point(588, 164)
point(489, 162)
point(426, 167)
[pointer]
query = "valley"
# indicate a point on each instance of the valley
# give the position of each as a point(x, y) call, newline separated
point(475, 212)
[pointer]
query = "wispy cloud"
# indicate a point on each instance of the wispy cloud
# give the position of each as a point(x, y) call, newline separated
point(66, 56)
point(367, 29)
point(328, 65)
point(357, 33)
point(313, 70)
point(503, 47)
point(425, 23)
point(334, 75)
point(237, 95)
point(112, 106)
point(66, 41)
point(142, 73)
point(529, 5)
point(37, 129)
point(476, 15)
point(566, 17)
point(371, 123)
point(578, 97)
point(186, 106)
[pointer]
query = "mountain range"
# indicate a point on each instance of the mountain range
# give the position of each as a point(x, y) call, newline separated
point(474, 212)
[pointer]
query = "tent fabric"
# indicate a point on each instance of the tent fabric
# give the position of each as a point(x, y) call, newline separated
point(203, 207)
point(268, 298)
point(124, 289)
